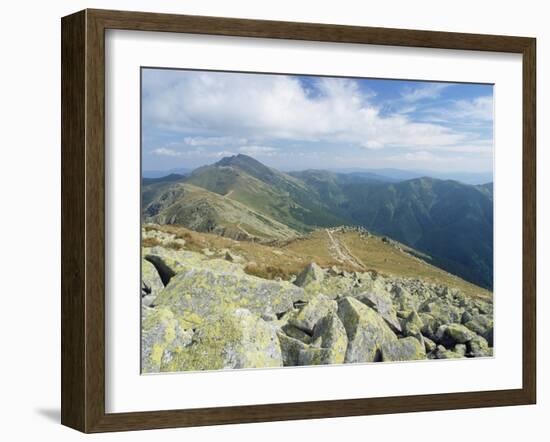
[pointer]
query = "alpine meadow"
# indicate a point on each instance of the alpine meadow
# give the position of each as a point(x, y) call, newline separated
point(297, 220)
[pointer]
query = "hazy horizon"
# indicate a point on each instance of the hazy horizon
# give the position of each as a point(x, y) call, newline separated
point(288, 122)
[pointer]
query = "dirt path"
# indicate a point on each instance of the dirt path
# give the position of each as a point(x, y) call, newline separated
point(340, 252)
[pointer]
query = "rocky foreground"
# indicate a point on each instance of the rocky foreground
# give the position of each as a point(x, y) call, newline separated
point(203, 312)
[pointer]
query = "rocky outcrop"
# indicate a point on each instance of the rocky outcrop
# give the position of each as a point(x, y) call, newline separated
point(207, 287)
point(206, 313)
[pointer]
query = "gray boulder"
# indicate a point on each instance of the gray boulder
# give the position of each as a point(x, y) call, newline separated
point(318, 356)
point(232, 339)
point(161, 335)
point(429, 345)
point(296, 333)
point(290, 349)
point(441, 310)
point(460, 349)
point(312, 273)
point(412, 324)
point(403, 299)
point(210, 287)
point(312, 312)
point(330, 335)
point(406, 349)
point(366, 331)
point(481, 325)
point(451, 334)
point(479, 347)
point(442, 353)
point(382, 303)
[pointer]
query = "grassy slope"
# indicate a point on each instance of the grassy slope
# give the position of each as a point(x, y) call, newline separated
point(273, 193)
point(289, 258)
point(205, 211)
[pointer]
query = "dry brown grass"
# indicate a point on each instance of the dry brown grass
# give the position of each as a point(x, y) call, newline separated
point(150, 242)
point(267, 272)
point(288, 259)
point(388, 260)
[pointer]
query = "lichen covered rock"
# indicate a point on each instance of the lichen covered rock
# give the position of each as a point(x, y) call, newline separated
point(406, 349)
point(366, 331)
point(215, 286)
point(451, 334)
point(312, 273)
point(442, 353)
point(481, 325)
point(161, 334)
point(306, 318)
point(331, 335)
point(382, 303)
point(236, 339)
point(479, 347)
point(290, 349)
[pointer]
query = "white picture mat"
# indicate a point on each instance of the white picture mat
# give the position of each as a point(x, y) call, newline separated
point(127, 390)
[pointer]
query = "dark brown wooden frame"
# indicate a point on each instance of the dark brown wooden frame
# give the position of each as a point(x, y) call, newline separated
point(83, 216)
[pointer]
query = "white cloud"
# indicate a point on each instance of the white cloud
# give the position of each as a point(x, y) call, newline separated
point(421, 155)
point(473, 112)
point(166, 151)
point(426, 91)
point(480, 108)
point(258, 150)
point(264, 107)
point(190, 153)
point(213, 141)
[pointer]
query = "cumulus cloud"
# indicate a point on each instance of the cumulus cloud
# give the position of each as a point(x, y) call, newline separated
point(263, 107)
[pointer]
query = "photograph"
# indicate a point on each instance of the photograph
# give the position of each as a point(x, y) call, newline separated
point(301, 220)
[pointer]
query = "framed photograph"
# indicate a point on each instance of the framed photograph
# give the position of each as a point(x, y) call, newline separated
point(267, 220)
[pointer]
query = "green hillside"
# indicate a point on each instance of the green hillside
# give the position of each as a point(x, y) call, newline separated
point(276, 194)
point(204, 211)
point(450, 221)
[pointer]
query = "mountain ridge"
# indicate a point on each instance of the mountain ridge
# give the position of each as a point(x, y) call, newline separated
point(446, 219)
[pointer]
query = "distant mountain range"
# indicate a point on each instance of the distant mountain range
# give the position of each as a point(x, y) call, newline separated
point(403, 175)
point(385, 174)
point(240, 197)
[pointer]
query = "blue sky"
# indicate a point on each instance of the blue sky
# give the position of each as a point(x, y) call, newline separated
point(192, 118)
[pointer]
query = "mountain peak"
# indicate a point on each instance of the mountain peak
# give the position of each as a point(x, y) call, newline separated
point(238, 160)
point(249, 165)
